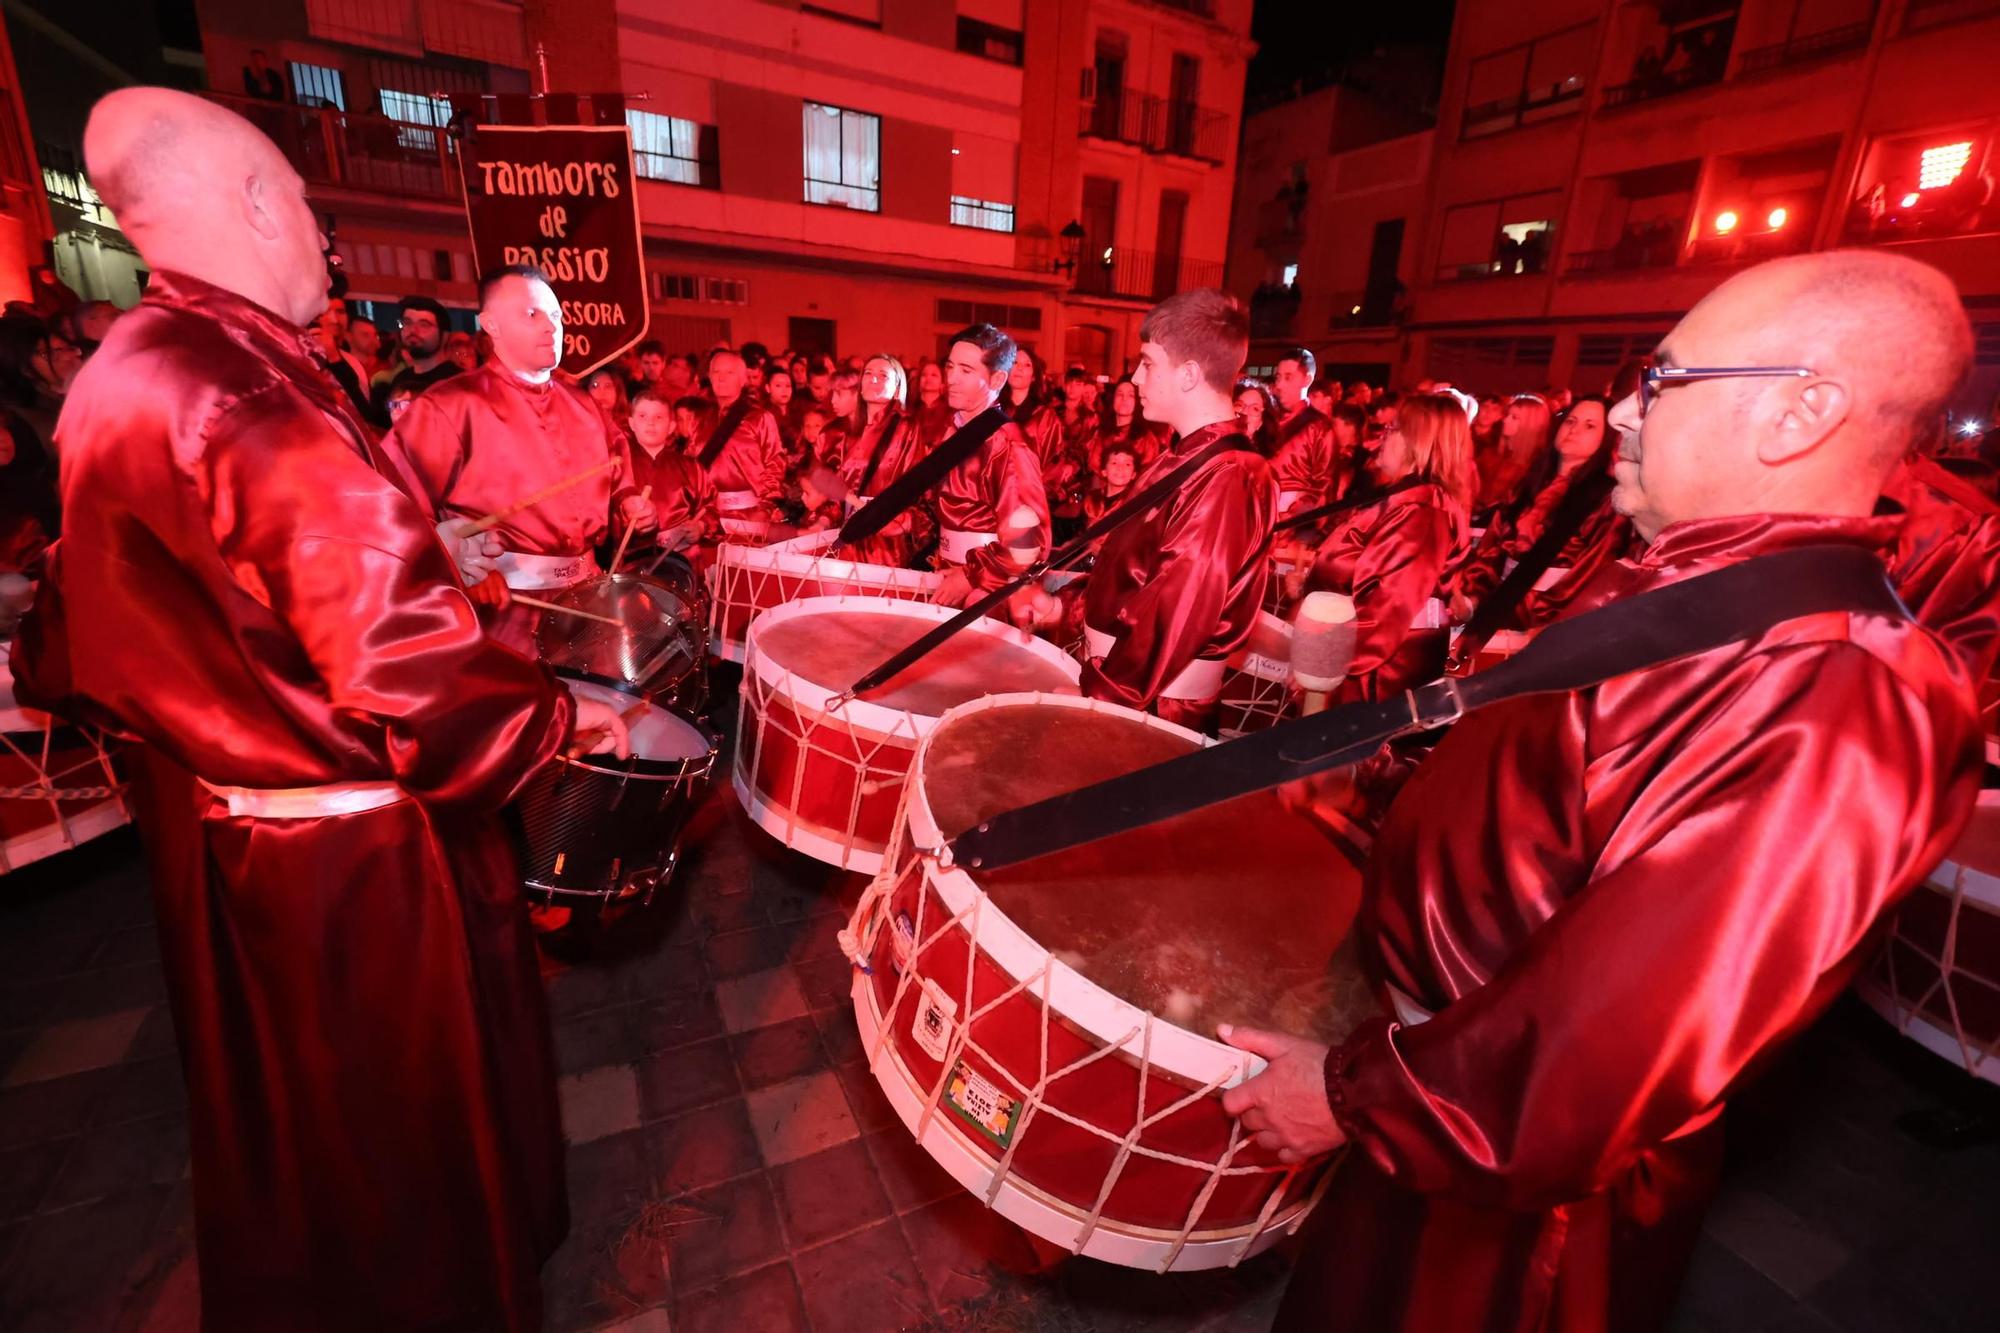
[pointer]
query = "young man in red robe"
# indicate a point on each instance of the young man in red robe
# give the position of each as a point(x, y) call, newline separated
point(1177, 589)
point(999, 483)
point(1308, 466)
point(478, 444)
point(327, 739)
point(1599, 912)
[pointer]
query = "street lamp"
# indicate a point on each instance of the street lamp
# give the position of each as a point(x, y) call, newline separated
point(1072, 246)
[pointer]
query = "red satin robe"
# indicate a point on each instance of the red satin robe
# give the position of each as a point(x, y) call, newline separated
point(1391, 558)
point(371, 1085)
point(1185, 579)
point(1946, 562)
point(1145, 439)
point(1606, 536)
point(890, 445)
point(1043, 430)
point(1617, 902)
point(1001, 476)
point(752, 459)
point(1508, 537)
point(682, 496)
point(1307, 463)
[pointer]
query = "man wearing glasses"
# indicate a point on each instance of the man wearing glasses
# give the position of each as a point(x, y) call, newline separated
point(1597, 912)
point(423, 331)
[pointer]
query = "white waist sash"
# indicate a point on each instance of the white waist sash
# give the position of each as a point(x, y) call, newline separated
point(1433, 614)
point(737, 500)
point(954, 544)
point(531, 573)
point(1199, 682)
point(335, 798)
point(1550, 577)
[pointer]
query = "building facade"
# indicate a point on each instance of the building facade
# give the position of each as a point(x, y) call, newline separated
point(1599, 165)
point(857, 175)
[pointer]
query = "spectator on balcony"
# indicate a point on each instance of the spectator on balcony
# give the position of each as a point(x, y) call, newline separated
point(1257, 414)
point(425, 360)
point(260, 80)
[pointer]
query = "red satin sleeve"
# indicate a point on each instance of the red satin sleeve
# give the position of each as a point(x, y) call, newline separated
point(1398, 567)
point(1170, 618)
point(769, 478)
point(1703, 939)
point(1305, 464)
point(373, 600)
point(430, 447)
point(1013, 476)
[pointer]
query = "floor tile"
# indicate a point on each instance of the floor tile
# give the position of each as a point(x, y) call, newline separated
point(156, 1035)
point(745, 951)
point(117, 1159)
point(686, 1077)
point(666, 970)
point(781, 1051)
point(957, 1241)
point(143, 1088)
point(69, 1269)
point(866, 1099)
point(840, 1035)
point(609, 1178)
point(759, 999)
point(829, 1194)
point(702, 1147)
point(725, 1230)
point(44, 955)
point(911, 1176)
point(27, 1173)
point(109, 990)
point(803, 1116)
point(605, 1275)
point(75, 1046)
point(135, 944)
point(601, 1037)
point(663, 1025)
point(1726, 1293)
point(862, 1283)
point(598, 1102)
point(717, 915)
point(176, 1304)
point(1775, 1241)
point(766, 1301)
point(54, 1108)
point(648, 1321)
point(827, 983)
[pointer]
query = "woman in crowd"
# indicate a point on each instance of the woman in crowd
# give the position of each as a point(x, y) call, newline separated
point(1582, 449)
point(1122, 424)
point(1391, 556)
point(1257, 414)
point(932, 412)
point(1026, 401)
point(606, 387)
point(888, 445)
point(463, 350)
point(1525, 429)
point(844, 417)
point(779, 397)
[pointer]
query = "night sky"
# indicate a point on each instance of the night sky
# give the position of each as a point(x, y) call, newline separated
point(1299, 38)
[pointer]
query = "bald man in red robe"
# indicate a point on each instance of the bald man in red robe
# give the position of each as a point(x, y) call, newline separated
point(480, 443)
point(328, 736)
point(1177, 589)
point(1598, 912)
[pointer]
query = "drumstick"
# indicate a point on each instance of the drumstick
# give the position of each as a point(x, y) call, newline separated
point(619, 558)
point(494, 520)
point(540, 605)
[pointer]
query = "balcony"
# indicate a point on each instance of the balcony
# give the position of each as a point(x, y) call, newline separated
point(1141, 275)
point(1692, 58)
point(347, 150)
point(1157, 125)
point(1201, 9)
point(1281, 221)
point(1923, 15)
point(1654, 246)
point(1812, 46)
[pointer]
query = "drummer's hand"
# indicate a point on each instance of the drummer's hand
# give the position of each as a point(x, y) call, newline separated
point(600, 730)
point(1461, 608)
point(639, 512)
point(1033, 609)
point(955, 589)
point(491, 591)
point(676, 538)
point(477, 555)
point(1285, 1107)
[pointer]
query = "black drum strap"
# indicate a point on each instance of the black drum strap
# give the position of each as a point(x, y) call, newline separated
point(723, 430)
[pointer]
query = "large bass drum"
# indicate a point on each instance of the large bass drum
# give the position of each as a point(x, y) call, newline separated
point(58, 786)
point(747, 581)
point(1046, 1031)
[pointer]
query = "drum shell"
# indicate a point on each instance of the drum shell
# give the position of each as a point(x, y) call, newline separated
point(748, 580)
point(32, 828)
point(1257, 684)
point(685, 689)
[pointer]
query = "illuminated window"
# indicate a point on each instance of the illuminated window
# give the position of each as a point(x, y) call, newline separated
point(1940, 166)
point(666, 148)
point(843, 157)
point(969, 212)
point(420, 115)
point(1291, 277)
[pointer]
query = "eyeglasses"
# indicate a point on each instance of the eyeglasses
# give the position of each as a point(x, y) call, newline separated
point(1653, 378)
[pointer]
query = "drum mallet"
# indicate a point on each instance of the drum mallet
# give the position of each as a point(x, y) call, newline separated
point(495, 520)
point(1323, 635)
point(541, 605)
point(618, 557)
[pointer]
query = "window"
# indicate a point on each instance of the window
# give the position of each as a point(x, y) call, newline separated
point(1495, 237)
point(667, 148)
point(959, 313)
point(416, 110)
point(693, 287)
point(978, 38)
point(1538, 80)
point(318, 85)
point(1291, 276)
point(982, 182)
point(843, 157)
point(978, 213)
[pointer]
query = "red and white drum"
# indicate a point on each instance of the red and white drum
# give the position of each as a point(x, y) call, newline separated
point(1044, 1030)
point(1257, 682)
point(1938, 975)
point(825, 778)
point(58, 788)
point(748, 580)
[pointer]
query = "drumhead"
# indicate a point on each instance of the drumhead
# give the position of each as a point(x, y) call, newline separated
point(1235, 914)
point(836, 646)
point(658, 735)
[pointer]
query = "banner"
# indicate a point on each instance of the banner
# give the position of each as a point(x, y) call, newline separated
point(562, 197)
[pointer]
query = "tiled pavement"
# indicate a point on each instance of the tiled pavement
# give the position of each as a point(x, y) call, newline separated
point(732, 1165)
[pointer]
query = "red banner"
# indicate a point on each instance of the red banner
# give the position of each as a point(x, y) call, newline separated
point(563, 198)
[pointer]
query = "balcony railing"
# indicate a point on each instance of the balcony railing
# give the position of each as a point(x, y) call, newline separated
point(1199, 8)
point(1617, 259)
point(1141, 275)
point(1664, 84)
point(348, 150)
point(1157, 125)
point(1281, 221)
point(1812, 46)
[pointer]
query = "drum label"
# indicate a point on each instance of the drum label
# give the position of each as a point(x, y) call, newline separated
point(931, 1028)
point(902, 943)
point(982, 1105)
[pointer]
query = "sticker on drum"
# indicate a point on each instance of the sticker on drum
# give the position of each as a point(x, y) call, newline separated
point(932, 1025)
point(982, 1105)
point(902, 944)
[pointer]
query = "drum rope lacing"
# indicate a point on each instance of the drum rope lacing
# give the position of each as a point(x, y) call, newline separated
point(858, 939)
point(1946, 966)
point(823, 576)
point(46, 791)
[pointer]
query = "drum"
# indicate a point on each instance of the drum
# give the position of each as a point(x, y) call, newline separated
point(1257, 682)
point(58, 787)
point(1938, 975)
point(1046, 1031)
point(600, 836)
point(656, 649)
point(1502, 645)
point(825, 778)
point(748, 580)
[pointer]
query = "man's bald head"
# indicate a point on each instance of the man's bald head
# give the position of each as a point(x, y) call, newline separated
point(1885, 343)
point(200, 190)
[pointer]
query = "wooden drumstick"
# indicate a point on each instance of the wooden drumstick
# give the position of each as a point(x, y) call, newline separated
point(494, 520)
point(618, 558)
point(540, 605)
